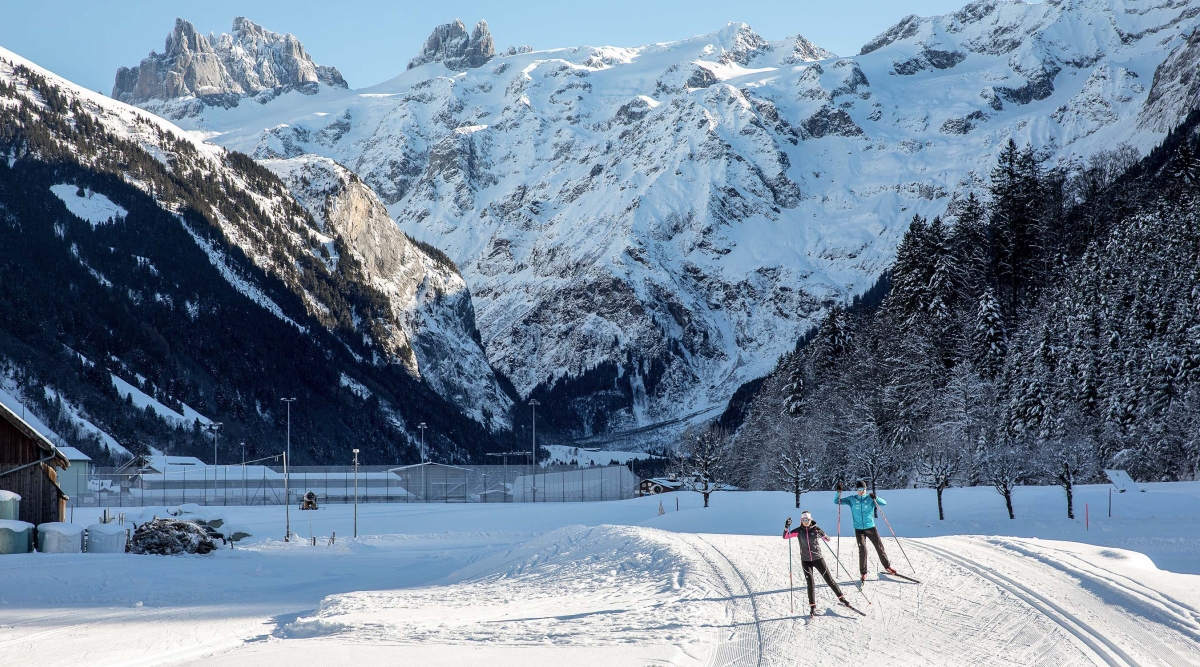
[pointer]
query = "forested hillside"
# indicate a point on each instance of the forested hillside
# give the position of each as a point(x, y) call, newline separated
point(205, 285)
point(1049, 325)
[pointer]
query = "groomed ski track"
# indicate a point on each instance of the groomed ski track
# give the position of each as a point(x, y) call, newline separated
point(611, 584)
point(987, 601)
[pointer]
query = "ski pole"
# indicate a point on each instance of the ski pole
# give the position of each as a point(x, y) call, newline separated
point(791, 582)
point(889, 525)
point(839, 525)
point(857, 583)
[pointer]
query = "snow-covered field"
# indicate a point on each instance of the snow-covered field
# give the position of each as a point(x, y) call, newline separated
point(618, 584)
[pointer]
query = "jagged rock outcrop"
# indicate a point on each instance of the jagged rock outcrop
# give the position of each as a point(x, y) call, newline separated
point(451, 45)
point(1176, 79)
point(428, 298)
point(804, 51)
point(248, 61)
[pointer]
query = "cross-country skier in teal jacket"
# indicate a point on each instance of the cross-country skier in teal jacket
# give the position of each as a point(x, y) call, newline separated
point(862, 511)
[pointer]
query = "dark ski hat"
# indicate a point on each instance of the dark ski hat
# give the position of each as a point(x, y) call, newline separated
point(860, 484)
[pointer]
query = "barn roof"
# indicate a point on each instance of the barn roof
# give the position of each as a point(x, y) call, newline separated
point(32, 433)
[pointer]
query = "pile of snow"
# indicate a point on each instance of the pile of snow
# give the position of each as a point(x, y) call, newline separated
point(168, 537)
point(59, 537)
point(91, 206)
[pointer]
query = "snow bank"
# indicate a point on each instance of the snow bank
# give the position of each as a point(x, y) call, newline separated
point(92, 206)
point(58, 537)
point(8, 495)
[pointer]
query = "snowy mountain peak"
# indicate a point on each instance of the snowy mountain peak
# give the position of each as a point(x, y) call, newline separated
point(223, 68)
point(740, 44)
point(451, 45)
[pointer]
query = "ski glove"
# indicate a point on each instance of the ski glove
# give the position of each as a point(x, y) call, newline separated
point(872, 496)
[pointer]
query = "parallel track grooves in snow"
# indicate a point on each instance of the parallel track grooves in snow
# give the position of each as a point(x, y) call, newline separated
point(1090, 637)
point(720, 655)
point(1187, 618)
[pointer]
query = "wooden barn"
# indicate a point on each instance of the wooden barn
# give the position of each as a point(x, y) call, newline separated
point(27, 468)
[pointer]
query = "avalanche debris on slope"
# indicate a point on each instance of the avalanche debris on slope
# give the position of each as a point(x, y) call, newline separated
point(691, 241)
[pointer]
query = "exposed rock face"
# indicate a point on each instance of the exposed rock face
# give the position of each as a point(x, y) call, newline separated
point(805, 51)
point(246, 62)
point(427, 295)
point(450, 45)
point(1176, 78)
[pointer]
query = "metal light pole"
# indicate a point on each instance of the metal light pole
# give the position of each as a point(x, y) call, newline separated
point(533, 404)
point(422, 427)
point(287, 502)
point(215, 429)
point(356, 493)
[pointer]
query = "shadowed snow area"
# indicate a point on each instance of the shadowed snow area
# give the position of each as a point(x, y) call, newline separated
point(617, 583)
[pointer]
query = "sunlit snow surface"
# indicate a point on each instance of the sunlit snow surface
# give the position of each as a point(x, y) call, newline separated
point(92, 206)
point(617, 583)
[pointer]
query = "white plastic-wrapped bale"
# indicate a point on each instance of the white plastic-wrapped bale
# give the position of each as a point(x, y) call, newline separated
point(57, 537)
point(106, 538)
point(16, 537)
point(10, 505)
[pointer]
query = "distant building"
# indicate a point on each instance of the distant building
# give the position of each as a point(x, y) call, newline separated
point(29, 465)
point(74, 480)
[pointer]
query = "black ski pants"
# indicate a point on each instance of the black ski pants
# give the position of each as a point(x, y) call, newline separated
point(819, 566)
point(869, 534)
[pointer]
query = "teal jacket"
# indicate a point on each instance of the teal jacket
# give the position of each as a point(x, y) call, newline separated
point(862, 510)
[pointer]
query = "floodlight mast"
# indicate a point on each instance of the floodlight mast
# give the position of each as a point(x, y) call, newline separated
point(533, 404)
point(356, 493)
point(287, 501)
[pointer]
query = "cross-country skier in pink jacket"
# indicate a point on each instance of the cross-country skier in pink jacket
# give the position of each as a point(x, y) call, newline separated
point(809, 537)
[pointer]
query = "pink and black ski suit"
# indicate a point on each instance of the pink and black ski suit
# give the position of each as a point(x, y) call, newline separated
point(809, 538)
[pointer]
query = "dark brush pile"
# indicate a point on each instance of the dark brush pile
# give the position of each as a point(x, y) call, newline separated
point(169, 537)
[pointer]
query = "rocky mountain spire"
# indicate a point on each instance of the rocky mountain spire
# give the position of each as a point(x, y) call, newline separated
point(450, 45)
point(250, 60)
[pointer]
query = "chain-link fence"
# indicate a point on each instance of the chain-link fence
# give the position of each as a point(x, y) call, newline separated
point(422, 483)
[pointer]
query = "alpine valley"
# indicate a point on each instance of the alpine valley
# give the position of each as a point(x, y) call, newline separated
point(626, 234)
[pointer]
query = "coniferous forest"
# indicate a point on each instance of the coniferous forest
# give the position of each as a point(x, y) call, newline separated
point(1044, 329)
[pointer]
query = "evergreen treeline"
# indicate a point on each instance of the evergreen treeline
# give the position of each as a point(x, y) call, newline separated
point(138, 298)
point(1045, 329)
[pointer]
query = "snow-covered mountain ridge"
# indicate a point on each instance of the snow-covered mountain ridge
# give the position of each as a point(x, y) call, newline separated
point(318, 271)
point(684, 211)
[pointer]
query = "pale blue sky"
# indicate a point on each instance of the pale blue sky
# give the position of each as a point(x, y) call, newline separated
point(372, 40)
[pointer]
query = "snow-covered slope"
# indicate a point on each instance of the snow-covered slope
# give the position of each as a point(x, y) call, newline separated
point(269, 248)
point(685, 211)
